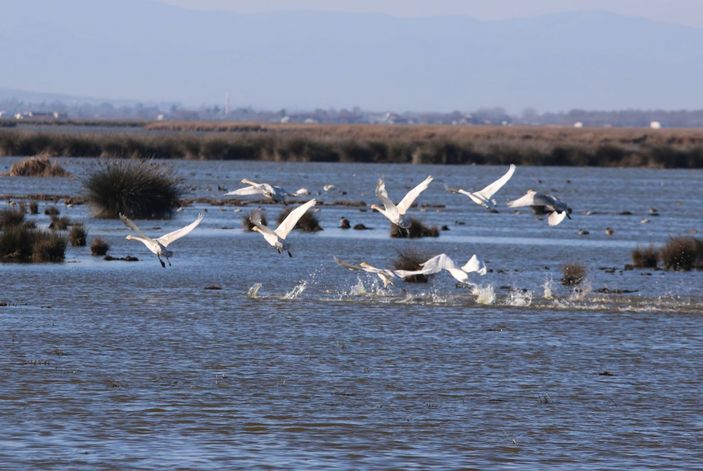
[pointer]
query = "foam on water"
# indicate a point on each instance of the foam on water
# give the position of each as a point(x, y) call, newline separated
point(253, 291)
point(519, 298)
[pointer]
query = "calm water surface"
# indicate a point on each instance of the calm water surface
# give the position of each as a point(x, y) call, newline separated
point(298, 363)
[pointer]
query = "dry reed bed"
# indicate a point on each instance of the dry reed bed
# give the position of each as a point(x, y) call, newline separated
point(670, 148)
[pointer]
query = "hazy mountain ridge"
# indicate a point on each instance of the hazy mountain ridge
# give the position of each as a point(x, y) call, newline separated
point(139, 49)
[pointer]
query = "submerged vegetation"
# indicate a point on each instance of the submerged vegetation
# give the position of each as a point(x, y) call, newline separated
point(139, 189)
point(664, 148)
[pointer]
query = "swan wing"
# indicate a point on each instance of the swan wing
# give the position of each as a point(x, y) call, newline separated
point(347, 265)
point(555, 218)
point(246, 191)
point(175, 235)
point(382, 195)
point(527, 200)
point(412, 195)
point(474, 265)
point(292, 219)
point(129, 223)
point(493, 188)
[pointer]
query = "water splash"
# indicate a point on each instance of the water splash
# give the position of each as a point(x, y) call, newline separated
point(519, 298)
point(358, 289)
point(253, 292)
point(297, 291)
point(548, 287)
point(484, 294)
point(580, 293)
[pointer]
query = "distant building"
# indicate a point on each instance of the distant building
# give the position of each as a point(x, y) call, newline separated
point(655, 125)
point(578, 124)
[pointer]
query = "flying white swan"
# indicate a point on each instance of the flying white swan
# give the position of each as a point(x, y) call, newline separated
point(443, 262)
point(485, 197)
point(277, 238)
point(158, 246)
point(556, 209)
point(272, 192)
point(396, 213)
point(385, 275)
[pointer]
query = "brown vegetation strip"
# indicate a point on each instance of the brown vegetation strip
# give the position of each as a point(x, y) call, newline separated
point(664, 148)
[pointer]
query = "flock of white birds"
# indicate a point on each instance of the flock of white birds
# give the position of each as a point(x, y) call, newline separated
point(550, 205)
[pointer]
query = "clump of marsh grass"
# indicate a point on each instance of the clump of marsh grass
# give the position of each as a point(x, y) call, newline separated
point(307, 223)
point(572, 274)
point(416, 230)
point(38, 166)
point(33, 207)
point(48, 247)
point(411, 260)
point(645, 257)
point(99, 247)
point(139, 189)
point(682, 253)
point(10, 217)
point(246, 219)
point(52, 211)
point(77, 236)
point(59, 223)
point(22, 244)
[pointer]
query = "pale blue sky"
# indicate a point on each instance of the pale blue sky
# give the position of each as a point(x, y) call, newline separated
point(687, 12)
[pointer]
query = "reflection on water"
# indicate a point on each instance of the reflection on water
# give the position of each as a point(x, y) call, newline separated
point(297, 363)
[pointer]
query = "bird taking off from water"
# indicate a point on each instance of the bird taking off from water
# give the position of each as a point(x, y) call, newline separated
point(556, 209)
point(277, 238)
point(268, 191)
point(485, 197)
point(384, 274)
point(443, 262)
point(396, 213)
point(158, 246)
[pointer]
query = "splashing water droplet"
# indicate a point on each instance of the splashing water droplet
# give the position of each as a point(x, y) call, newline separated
point(297, 290)
point(484, 294)
point(519, 298)
point(253, 292)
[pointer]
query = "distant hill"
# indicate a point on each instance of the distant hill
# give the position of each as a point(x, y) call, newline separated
point(144, 50)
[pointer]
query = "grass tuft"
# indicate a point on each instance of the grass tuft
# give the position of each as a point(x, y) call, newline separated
point(99, 247)
point(307, 223)
point(10, 217)
point(77, 236)
point(417, 230)
point(22, 244)
point(682, 253)
point(140, 189)
point(573, 274)
point(52, 211)
point(645, 257)
point(410, 260)
point(39, 166)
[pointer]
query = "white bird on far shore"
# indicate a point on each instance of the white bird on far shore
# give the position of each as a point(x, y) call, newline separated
point(158, 246)
point(277, 238)
point(396, 213)
point(485, 197)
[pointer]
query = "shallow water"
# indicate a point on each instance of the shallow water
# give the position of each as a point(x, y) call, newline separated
point(297, 362)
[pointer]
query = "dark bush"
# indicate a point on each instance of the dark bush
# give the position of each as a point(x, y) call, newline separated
point(52, 211)
point(77, 236)
point(411, 260)
point(572, 274)
point(48, 247)
point(139, 189)
point(59, 223)
point(10, 217)
point(99, 247)
point(645, 257)
point(682, 253)
point(23, 244)
point(33, 207)
point(416, 230)
point(307, 223)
